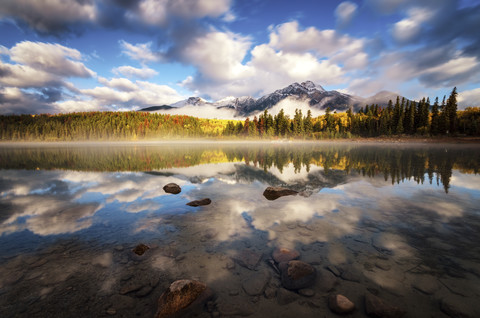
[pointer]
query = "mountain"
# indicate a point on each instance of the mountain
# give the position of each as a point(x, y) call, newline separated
point(315, 95)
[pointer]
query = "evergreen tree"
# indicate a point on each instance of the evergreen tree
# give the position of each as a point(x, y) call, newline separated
point(434, 128)
point(451, 109)
point(307, 123)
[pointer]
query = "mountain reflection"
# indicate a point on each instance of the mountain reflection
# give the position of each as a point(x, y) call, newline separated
point(395, 163)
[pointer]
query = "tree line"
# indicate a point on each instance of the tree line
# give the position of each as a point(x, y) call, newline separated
point(405, 117)
point(106, 126)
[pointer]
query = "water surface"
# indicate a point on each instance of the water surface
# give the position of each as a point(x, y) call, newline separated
point(399, 221)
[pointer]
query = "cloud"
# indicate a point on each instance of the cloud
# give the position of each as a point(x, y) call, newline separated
point(36, 77)
point(159, 13)
point(52, 16)
point(344, 13)
point(409, 29)
point(291, 55)
point(121, 93)
point(470, 98)
point(130, 71)
point(140, 52)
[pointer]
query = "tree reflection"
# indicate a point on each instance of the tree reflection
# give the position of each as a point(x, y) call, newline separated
point(394, 163)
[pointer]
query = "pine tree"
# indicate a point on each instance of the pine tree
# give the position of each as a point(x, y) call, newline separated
point(451, 109)
point(307, 123)
point(434, 127)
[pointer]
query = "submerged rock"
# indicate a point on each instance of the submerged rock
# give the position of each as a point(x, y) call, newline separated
point(284, 255)
point(205, 201)
point(172, 188)
point(285, 297)
point(256, 283)
point(273, 193)
point(140, 249)
point(182, 296)
point(340, 304)
point(248, 259)
point(376, 307)
point(297, 275)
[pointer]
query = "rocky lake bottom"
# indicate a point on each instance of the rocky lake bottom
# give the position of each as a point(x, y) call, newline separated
point(393, 249)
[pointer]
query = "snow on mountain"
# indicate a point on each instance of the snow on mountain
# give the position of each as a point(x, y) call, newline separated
point(191, 101)
point(315, 96)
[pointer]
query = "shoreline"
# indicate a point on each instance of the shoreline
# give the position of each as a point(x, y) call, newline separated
point(356, 140)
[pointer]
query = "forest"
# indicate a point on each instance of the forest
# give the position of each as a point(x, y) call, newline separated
point(402, 117)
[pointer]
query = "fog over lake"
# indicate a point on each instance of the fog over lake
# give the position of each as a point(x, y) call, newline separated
point(401, 222)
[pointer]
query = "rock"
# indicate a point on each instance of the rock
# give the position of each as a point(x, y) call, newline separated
point(182, 296)
point(248, 259)
point(172, 188)
point(144, 291)
point(205, 201)
point(455, 309)
point(340, 304)
point(307, 292)
point(297, 275)
point(426, 284)
point(273, 193)
point(326, 280)
point(111, 311)
point(255, 284)
point(140, 249)
point(284, 255)
point(285, 297)
point(334, 270)
point(131, 287)
point(350, 276)
point(122, 302)
point(376, 307)
point(270, 292)
point(234, 309)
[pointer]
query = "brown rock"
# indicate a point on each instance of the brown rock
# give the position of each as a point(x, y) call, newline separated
point(140, 249)
point(273, 193)
point(376, 307)
point(256, 283)
point(340, 304)
point(297, 275)
point(285, 297)
point(248, 259)
point(181, 296)
point(205, 201)
point(172, 188)
point(284, 255)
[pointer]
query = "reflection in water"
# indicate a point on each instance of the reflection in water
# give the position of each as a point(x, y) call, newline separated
point(400, 222)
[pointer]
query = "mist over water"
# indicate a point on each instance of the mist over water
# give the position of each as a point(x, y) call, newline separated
point(402, 222)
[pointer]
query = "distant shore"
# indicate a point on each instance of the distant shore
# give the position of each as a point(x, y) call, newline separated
point(369, 140)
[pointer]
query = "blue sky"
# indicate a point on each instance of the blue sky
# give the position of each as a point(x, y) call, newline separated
point(82, 55)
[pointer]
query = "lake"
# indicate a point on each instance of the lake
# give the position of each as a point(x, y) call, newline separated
point(397, 221)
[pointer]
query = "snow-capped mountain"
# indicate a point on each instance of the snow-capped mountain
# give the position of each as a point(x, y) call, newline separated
point(315, 95)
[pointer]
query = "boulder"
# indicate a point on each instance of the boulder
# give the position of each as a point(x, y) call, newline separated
point(140, 249)
point(285, 297)
point(172, 188)
point(205, 201)
point(248, 259)
point(273, 193)
point(181, 297)
point(297, 274)
point(376, 307)
point(284, 255)
point(340, 304)
point(256, 283)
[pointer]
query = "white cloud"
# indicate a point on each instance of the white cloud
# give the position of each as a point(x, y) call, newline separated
point(121, 92)
point(52, 15)
point(130, 71)
point(121, 84)
point(140, 52)
point(345, 12)
point(409, 29)
point(158, 12)
point(470, 98)
point(218, 55)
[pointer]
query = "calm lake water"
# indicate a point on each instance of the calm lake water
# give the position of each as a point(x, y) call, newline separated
point(398, 221)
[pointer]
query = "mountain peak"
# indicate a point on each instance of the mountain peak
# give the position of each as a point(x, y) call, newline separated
point(309, 85)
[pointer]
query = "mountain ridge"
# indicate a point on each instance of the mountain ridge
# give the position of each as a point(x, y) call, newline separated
point(315, 95)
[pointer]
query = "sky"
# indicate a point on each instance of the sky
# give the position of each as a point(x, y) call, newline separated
point(60, 56)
